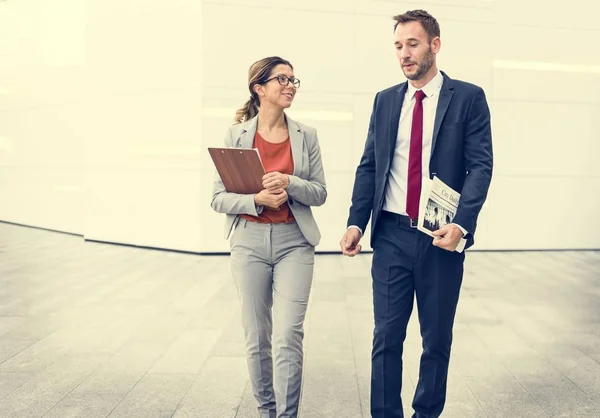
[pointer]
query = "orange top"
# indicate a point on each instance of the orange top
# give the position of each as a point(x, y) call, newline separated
point(274, 157)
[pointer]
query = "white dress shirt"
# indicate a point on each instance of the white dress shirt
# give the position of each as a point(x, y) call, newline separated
point(395, 192)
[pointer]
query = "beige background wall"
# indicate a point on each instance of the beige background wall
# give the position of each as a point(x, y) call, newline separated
point(107, 107)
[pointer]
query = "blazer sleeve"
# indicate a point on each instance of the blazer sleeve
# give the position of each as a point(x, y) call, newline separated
point(313, 190)
point(231, 203)
point(363, 191)
point(478, 156)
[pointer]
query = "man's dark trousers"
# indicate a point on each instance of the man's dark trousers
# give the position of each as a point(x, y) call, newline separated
point(406, 263)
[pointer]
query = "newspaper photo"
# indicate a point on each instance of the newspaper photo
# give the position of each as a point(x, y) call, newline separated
point(437, 208)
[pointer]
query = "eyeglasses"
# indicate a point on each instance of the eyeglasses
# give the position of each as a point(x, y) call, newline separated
point(284, 80)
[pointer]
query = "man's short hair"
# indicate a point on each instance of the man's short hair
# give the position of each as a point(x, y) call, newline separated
point(431, 26)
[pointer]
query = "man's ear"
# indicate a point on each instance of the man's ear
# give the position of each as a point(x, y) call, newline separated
point(436, 44)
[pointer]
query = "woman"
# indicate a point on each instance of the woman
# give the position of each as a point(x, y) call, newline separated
point(274, 234)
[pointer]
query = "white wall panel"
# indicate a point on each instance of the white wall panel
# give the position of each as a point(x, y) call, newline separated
point(41, 166)
point(143, 164)
point(281, 9)
point(142, 48)
point(525, 212)
point(111, 9)
point(546, 86)
point(444, 11)
point(546, 139)
point(152, 207)
point(436, 6)
point(107, 108)
point(155, 129)
point(571, 47)
point(143, 143)
point(59, 126)
point(325, 61)
point(42, 55)
point(576, 14)
point(45, 197)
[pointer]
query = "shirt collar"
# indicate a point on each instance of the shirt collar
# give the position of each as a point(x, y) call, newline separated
point(430, 89)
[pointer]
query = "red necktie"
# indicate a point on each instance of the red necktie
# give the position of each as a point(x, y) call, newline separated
point(413, 191)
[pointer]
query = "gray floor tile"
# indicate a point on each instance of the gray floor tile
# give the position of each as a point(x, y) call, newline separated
point(39, 394)
point(92, 405)
point(217, 391)
point(11, 381)
point(154, 396)
point(188, 353)
point(330, 382)
point(123, 370)
point(90, 329)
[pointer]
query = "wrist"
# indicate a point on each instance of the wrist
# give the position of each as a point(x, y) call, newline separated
point(462, 230)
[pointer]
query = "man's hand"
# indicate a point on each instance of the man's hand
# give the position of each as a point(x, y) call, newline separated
point(275, 180)
point(447, 237)
point(349, 243)
point(271, 198)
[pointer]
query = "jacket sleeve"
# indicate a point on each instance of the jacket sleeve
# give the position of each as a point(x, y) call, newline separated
point(313, 190)
point(478, 156)
point(363, 191)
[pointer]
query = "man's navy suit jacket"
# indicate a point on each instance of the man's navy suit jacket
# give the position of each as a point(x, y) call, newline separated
point(461, 152)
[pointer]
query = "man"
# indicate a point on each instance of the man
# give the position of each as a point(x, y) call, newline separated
point(429, 125)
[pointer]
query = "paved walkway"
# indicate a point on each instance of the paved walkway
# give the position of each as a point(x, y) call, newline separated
point(95, 330)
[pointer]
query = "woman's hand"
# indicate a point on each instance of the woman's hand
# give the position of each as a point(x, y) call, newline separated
point(271, 198)
point(275, 180)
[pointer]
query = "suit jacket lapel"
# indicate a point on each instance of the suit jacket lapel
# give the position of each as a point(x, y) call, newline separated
point(446, 93)
point(246, 138)
point(297, 141)
point(395, 109)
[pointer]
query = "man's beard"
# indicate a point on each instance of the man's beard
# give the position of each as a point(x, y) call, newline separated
point(424, 66)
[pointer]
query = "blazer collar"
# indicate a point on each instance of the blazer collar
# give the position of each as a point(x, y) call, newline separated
point(248, 132)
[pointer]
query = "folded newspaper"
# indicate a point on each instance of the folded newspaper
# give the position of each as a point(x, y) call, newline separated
point(438, 207)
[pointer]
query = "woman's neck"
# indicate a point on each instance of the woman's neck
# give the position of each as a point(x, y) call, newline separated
point(271, 119)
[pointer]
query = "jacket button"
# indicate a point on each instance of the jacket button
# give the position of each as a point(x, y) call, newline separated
point(291, 202)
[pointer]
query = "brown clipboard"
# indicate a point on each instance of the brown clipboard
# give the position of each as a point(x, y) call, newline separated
point(240, 169)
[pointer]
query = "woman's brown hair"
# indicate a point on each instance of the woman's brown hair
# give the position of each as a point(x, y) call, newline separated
point(258, 73)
